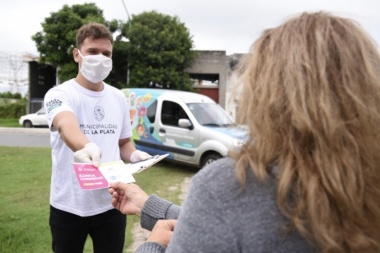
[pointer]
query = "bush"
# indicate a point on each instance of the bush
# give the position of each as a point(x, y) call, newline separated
point(13, 109)
point(8, 94)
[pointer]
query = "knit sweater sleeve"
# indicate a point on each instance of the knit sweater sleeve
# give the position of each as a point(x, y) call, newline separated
point(156, 208)
point(150, 247)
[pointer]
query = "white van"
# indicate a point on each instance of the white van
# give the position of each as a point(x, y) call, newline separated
point(191, 127)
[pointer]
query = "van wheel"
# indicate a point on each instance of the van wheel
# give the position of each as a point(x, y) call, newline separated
point(210, 158)
point(27, 123)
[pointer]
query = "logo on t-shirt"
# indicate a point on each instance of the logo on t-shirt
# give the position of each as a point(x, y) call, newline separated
point(54, 103)
point(99, 113)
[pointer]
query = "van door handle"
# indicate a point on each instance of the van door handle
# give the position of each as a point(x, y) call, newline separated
point(162, 130)
point(151, 129)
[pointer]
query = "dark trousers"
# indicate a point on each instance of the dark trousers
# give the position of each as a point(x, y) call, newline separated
point(70, 231)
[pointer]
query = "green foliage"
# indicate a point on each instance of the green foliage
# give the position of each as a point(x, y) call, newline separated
point(24, 209)
point(118, 75)
point(12, 105)
point(68, 71)
point(12, 108)
point(57, 40)
point(161, 50)
point(9, 94)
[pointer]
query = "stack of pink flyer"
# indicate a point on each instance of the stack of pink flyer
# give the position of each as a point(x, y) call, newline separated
point(92, 178)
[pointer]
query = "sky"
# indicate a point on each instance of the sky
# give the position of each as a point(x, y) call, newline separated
point(227, 25)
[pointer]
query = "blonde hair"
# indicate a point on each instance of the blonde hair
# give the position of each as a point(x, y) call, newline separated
point(309, 92)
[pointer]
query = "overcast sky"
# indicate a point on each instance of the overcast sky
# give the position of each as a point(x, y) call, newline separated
point(228, 25)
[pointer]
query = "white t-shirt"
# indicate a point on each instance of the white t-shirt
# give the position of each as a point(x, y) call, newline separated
point(104, 118)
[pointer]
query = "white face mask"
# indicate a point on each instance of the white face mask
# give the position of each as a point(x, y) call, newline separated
point(95, 68)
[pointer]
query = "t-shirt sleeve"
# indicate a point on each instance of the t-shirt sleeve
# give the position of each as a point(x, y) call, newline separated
point(55, 102)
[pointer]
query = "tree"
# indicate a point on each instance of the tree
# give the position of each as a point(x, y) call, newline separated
point(57, 40)
point(160, 51)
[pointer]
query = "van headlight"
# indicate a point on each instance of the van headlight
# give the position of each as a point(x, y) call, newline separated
point(237, 143)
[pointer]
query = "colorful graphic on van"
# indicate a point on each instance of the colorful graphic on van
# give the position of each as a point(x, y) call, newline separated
point(186, 144)
point(147, 98)
point(141, 130)
point(132, 113)
point(138, 103)
point(142, 113)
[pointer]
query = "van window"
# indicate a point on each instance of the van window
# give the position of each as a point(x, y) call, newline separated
point(171, 112)
point(151, 112)
point(210, 115)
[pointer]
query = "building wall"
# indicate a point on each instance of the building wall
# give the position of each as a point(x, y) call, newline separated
point(216, 64)
point(13, 73)
point(42, 77)
point(208, 90)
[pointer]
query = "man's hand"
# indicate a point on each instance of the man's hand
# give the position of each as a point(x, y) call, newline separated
point(138, 156)
point(91, 153)
point(162, 232)
point(127, 198)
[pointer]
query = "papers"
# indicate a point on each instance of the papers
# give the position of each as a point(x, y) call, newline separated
point(143, 165)
point(91, 177)
point(116, 172)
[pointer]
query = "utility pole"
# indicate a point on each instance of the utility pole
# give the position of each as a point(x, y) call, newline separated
point(129, 48)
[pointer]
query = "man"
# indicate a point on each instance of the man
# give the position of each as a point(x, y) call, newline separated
point(90, 123)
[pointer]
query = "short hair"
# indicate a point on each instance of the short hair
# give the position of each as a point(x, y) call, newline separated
point(94, 31)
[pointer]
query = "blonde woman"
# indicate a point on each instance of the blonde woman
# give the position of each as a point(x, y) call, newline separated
point(307, 180)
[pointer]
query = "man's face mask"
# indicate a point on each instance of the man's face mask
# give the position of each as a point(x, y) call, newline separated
point(95, 68)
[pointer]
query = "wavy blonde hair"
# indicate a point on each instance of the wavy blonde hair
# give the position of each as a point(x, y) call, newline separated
point(309, 92)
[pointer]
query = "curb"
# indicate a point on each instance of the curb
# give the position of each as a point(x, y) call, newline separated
point(24, 130)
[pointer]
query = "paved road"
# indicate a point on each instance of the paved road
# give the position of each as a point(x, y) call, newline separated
point(24, 137)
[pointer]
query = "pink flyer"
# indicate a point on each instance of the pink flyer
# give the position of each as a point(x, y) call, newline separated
point(89, 176)
point(92, 178)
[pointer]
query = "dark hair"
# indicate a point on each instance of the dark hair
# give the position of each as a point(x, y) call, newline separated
point(94, 31)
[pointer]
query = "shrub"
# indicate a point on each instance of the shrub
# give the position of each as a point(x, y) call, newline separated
point(8, 94)
point(14, 109)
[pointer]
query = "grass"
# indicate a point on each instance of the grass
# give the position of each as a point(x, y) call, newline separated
point(24, 203)
point(12, 122)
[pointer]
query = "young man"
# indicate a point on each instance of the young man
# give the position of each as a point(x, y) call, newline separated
point(89, 122)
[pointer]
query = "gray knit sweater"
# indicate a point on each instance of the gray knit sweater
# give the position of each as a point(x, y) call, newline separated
point(220, 216)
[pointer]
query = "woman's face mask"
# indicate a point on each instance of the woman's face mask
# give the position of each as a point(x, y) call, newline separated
point(95, 68)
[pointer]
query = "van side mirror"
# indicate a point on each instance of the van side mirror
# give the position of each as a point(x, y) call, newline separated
point(185, 123)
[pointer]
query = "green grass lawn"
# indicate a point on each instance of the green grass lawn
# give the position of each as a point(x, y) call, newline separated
point(9, 122)
point(24, 203)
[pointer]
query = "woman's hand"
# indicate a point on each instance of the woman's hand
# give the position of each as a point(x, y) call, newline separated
point(162, 232)
point(127, 198)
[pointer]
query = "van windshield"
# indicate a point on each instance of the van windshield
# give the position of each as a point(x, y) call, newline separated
point(210, 115)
